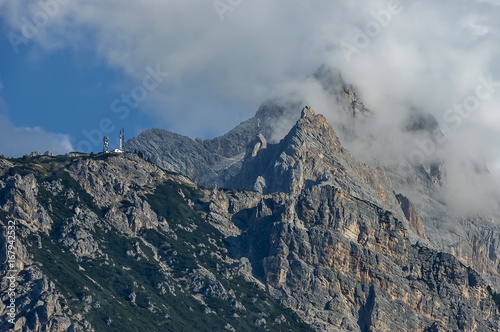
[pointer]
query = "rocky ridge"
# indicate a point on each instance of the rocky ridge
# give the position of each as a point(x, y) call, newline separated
point(214, 162)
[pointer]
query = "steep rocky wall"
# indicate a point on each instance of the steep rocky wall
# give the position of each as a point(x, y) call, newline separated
point(345, 264)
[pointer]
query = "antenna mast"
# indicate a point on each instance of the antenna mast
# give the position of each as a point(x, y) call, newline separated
point(122, 138)
point(105, 146)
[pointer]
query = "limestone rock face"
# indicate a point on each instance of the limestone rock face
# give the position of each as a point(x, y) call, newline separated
point(411, 215)
point(211, 162)
point(39, 304)
point(345, 264)
point(321, 238)
point(345, 94)
point(311, 154)
point(19, 198)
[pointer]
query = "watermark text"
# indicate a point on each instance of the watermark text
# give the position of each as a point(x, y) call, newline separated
point(12, 271)
point(47, 9)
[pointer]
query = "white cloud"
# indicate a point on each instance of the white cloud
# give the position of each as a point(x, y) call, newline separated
point(18, 141)
point(428, 54)
point(492, 2)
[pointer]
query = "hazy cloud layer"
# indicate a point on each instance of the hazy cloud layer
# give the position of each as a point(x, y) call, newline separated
point(226, 57)
point(19, 141)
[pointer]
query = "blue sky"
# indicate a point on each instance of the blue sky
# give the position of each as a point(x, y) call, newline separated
point(65, 92)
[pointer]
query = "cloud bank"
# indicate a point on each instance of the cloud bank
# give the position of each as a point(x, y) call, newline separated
point(19, 141)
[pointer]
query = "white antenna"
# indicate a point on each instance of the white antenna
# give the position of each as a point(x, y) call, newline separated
point(122, 138)
point(105, 146)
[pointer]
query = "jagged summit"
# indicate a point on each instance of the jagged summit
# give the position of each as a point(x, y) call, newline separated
point(311, 154)
point(212, 162)
point(332, 81)
point(330, 77)
point(306, 111)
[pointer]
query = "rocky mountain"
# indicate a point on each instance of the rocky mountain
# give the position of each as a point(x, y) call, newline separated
point(250, 231)
point(207, 162)
point(250, 157)
point(215, 161)
point(308, 239)
point(114, 243)
point(337, 246)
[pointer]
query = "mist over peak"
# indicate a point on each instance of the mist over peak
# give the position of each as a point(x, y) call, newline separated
point(400, 137)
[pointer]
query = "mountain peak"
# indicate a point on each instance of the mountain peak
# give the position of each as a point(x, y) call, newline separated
point(313, 129)
point(329, 76)
point(306, 112)
point(310, 154)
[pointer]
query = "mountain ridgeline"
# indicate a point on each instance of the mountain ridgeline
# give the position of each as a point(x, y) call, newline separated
point(244, 232)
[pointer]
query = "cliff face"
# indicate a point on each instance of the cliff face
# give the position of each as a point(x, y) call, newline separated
point(344, 264)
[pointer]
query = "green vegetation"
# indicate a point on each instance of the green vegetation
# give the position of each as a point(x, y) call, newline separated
point(111, 289)
point(3, 217)
point(60, 266)
point(62, 206)
point(126, 203)
point(21, 170)
point(494, 296)
point(167, 202)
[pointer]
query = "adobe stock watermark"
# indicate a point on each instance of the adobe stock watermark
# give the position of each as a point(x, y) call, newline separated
point(453, 119)
point(47, 9)
point(11, 273)
point(372, 29)
point(121, 106)
point(225, 6)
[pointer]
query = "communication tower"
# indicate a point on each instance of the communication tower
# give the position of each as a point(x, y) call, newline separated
point(105, 146)
point(122, 138)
